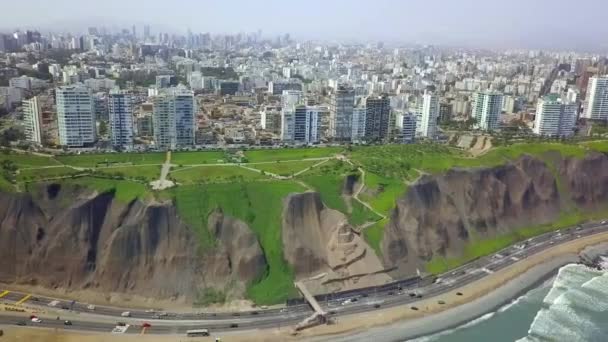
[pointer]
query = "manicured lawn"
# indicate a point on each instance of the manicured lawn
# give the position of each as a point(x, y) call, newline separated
point(28, 160)
point(397, 161)
point(107, 159)
point(150, 173)
point(290, 154)
point(285, 168)
point(46, 173)
point(195, 158)
point(203, 174)
point(125, 191)
point(260, 205)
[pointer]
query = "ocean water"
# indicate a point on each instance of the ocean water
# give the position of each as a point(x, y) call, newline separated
point(571, 307)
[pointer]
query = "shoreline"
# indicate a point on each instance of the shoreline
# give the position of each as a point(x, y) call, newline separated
point(480, 298)
point(457, 316)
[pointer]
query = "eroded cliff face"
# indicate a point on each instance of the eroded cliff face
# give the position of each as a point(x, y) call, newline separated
point(587, 180)
point(73, 238)
point(440, 214)
point(324, 250)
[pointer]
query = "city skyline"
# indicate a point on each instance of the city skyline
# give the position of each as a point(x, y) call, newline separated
point(469, 23)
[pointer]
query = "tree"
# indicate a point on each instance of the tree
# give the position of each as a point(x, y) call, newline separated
point(103, 128)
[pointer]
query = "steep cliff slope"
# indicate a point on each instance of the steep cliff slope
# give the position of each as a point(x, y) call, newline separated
point(323, 249)
point(440, 215)
point(74, 238)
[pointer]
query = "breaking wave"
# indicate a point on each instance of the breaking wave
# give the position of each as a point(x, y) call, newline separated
point(575, 309)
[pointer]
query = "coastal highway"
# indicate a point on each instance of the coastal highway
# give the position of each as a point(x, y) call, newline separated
point(104, 318)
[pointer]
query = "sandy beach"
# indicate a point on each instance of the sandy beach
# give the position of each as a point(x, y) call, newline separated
point(394, 324)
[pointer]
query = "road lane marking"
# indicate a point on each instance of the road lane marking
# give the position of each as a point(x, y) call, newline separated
point(4, 293)
point(22, 300)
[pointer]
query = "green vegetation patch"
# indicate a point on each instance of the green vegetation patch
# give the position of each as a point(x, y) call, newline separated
point(125, 191)
point(374, 234)
point(382, 192)
point(255, 156)
point(45, 173)
point(483, 247)
point(142, 173)
point(208, 296)
point(260, 205)
point(205, 174)
point(360, 214)
point(196, 158)
point(28, 160)
point(287, 168)
point(600, 146)
point(108, 159)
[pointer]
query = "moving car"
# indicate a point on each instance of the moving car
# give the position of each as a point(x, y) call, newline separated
point(126, 314)
point(67, 323)
point(91, 307)
point(36, 320)
point(234, 325)
point(21, 323)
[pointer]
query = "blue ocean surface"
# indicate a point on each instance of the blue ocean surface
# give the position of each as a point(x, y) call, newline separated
point(572, 307)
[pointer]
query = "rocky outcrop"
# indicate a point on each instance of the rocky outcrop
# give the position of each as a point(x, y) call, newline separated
point(440, 214)
point(73, 238)
point(586, 180)
point(321, 247)
point(239, 244)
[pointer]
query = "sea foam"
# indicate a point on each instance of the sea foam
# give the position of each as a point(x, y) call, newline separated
point(575, 309)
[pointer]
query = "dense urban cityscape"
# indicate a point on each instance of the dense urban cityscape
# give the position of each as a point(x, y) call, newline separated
point(273, 187)
point(134, 90)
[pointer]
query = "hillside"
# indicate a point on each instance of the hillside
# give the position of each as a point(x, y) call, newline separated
point(247, 224)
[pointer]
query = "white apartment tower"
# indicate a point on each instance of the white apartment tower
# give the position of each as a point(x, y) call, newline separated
point(75, 116)
point(487, 107)
point(426, 115)
point(341, 113)
point(32, 120)
point(289, 100)
point(596, 104)
point(120, 108)
point(554, 117)
point(174, 118)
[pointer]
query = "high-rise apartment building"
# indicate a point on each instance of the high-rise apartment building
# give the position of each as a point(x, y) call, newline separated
point(359, 114)
point(341, 113)
point(377, 118)
point(120, 107)
point(75, 116)
point(32, 120)
point(174, 118)
point(596, 104)
point(427, 112)
point(487, 107)
point(555, 117)
point(407, 134)
point(306, 124)
point(289, 100)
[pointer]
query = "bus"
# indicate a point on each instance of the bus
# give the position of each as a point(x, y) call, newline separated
point(197, 332)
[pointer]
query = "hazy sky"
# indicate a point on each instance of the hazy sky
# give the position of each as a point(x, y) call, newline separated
point(492, 23)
